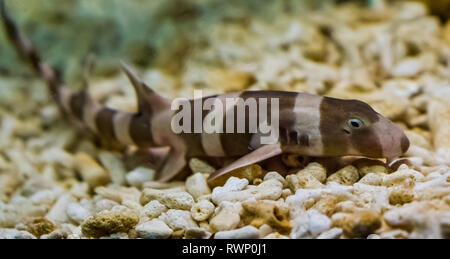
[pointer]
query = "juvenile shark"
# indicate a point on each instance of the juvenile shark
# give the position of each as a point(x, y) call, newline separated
point(309, 125)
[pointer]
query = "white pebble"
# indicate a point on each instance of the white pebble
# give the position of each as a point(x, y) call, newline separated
point(57, 155)
point(309, 224)
point(154, 208)
point(373, 236)
point(139, 176)
point(227, 216)
point(115, 167)
point(247, 232)
point(43, 197)
point(333, 233)
point(202, 210)
point(407, 67)
point(49, 114)
point(172, 198)
point(197, 186)
point(10, 233)
point(90, 171)
point(318, 223)
point(105, 204)
point(265, 230)
point(77, 213)
point(178, 219)
point(57, 213)
point(233, 184)
point(267, 190)
point(178, 200)
point(277, 176)
point(154, 229)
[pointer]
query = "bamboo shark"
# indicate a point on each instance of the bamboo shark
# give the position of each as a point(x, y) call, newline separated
point(309, 125)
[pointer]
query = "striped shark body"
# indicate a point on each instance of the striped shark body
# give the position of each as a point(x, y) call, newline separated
point(308, 124)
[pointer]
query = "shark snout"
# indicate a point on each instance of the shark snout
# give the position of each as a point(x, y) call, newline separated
point(394, 142)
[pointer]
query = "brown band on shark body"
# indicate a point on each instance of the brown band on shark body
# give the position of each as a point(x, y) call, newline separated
point(105, 124)
point(332, 114)
point(192, 139)
point(404, 144)
point(141, 130)
point(286, 109)
point(346, 107)
point(304, 140)
point(235, 143)
point(284, 135)
point(77, 104)
point(293, 137)
point(194, 142)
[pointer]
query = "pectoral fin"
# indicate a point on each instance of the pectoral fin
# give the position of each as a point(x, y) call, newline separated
point(260, 154)
point(173, 166)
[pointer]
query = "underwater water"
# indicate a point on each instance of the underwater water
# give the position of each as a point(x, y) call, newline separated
point(59, 178)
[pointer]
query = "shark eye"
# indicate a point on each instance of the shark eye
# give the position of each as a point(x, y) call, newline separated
point(355, 123)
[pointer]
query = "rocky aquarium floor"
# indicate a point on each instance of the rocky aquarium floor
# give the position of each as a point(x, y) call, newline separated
point(56, 182)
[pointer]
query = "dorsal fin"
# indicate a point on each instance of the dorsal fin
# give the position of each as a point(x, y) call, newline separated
point(147, 99)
